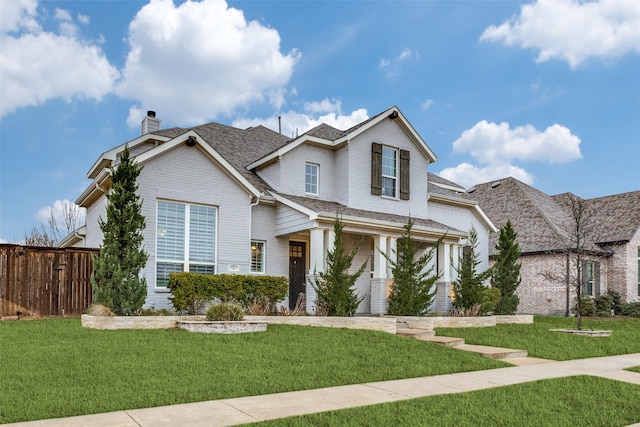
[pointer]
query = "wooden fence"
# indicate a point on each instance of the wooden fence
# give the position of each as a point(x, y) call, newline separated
point(39, 281)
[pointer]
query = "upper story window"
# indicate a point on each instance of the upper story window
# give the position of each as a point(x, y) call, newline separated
point(311, 178)
point(390, 171)
point(185, 240)
point(257, 256)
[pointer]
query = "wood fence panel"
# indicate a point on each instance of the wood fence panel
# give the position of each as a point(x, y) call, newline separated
point(37, 281)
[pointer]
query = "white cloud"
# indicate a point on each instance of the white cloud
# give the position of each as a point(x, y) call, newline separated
point(294, 123)
point(427, 104)
point(198, 60)
point(393, 65)
point(84, 19)
point(405, 54)
point(497, 146)
point(468, 175)
point(37, 65)
point(498, 143)
point(573, 30)
point(324, 106)
point(18, 14)
point(60, 209)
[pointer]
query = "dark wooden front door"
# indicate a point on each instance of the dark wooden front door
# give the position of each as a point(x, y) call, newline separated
point(297, 271)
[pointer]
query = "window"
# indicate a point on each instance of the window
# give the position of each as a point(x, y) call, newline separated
point(591, 278)
point(390, 172)
point(311, 178)
point(257, 256)
point(185, 240)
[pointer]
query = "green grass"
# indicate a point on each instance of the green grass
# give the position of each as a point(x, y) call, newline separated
point(540, 342)
point(579, 401)
point(634, 369)
point(56, 368)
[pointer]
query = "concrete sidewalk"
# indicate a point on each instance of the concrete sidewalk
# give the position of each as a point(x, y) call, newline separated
point(227, 412)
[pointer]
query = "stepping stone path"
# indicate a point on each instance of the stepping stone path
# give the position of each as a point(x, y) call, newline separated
point(515, 357)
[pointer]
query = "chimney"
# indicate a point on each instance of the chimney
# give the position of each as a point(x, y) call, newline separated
point(150, 123)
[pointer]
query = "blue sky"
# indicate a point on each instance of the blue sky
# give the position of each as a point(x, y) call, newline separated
point(546, 91)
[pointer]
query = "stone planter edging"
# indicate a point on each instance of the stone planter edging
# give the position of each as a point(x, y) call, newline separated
point(224, 327)
point(384, 324)
point(431, 322)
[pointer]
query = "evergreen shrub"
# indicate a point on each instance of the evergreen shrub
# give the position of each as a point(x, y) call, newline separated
point(225, 311)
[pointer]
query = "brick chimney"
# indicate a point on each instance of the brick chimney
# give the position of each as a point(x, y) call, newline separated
point(150, 123)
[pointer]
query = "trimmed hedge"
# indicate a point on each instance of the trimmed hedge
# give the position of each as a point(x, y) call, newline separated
point(192, 291)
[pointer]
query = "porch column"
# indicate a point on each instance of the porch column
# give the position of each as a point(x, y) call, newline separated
point(329, 241)
point(316, 265)
point(381, 272)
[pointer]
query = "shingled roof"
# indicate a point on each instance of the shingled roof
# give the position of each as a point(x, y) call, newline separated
point(542, 221)
point(240, 147)
point(334, 208)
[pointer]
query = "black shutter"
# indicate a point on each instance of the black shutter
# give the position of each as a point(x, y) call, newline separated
point(596, 277)
point(405, 185)
point(376, 169)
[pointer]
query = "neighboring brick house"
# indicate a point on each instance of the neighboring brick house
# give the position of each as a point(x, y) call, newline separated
point(542, 224)
point(223, 200)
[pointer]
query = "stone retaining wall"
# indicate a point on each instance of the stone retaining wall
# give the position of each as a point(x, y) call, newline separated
point(226, 327)
point(384, 324)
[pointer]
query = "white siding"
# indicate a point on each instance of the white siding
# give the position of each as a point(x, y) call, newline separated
point(342, 175)
point(94, 212)
point(292, 171)
point(277, 248)
point(290, 221)
point(388, 133)
point(187, 175)
point(271, 174)
point(463, 219)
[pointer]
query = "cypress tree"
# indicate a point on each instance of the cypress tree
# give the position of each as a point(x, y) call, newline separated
point(469, 289)
point(413, 289)
point(116, 277)
point(334, 287)
point(506, 270)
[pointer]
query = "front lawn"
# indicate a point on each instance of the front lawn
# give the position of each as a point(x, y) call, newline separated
point(56, 368)
point(577, 401)
point(540, 342)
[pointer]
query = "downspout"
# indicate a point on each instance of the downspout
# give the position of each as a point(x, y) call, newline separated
point(80, 237)
point(568, 280)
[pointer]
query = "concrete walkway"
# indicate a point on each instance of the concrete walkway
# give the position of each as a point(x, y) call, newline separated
point(227, 412)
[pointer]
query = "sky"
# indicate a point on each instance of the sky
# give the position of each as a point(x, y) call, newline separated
point(545, 91)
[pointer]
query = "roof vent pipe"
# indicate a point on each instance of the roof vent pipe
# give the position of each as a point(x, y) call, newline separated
point(280, 125)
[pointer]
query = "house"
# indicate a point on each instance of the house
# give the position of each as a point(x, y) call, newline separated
point(218, 199)
point(543, 225)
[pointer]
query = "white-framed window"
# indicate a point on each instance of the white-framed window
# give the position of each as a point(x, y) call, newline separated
point(389, 171)
point(311, 178)
point(185, 239)
point(591, 278)
point(257, 256)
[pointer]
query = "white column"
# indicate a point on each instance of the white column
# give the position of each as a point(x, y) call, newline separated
point(455, 260)
point(316, 251)
point(379, 260)
point(446, 262)
point(391, 252)
point(329, 241)
point(316, 265)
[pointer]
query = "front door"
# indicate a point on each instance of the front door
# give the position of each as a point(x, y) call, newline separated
point(297, 271)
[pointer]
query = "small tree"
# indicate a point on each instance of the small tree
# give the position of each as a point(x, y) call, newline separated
point(505, 274)
point(116, 277)
point(334, 287)
point(469, 288)
point(413, 288)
